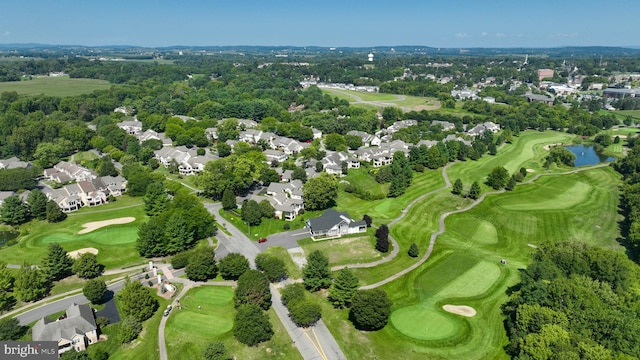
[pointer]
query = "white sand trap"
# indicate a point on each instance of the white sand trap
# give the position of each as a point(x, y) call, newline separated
point(76, 254)
point(94, 225)
point(463, 310)
point(530, 170)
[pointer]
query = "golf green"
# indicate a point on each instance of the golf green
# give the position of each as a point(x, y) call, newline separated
point(485, 233)
point(205, 313)
point(423, 323)
point(104, 236)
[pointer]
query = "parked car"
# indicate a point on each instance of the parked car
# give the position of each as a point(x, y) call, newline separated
point(262, 240)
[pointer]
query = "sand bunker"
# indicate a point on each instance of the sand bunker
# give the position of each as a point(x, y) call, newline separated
point(530, 170)
point(548, 146)
point(463, 310)
point(94, 225)
point(76, 254)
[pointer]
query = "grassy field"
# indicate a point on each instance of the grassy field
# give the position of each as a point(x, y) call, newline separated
point(380, 100)
point(268, 226)
point(55, 86)
point(635, 114)
point(190, 329)
point(346, 250)
point(281, 253)
point(465, 269)
point(115, 243)
point(361, 179)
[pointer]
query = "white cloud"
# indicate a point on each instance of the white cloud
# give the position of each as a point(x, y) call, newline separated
point(6, 33)
point(461, 35)
point(484, 33)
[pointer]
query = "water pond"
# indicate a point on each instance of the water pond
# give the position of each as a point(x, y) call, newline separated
point(587, 155)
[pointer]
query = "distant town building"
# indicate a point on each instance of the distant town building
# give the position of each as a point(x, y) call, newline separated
point(545, 73)
point(370, 56)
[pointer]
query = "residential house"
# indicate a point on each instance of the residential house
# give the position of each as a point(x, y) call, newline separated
point(4, 195)
point(71, 170)
point(90, 195)
point(335, 224)
point(75, 332)
point(332, 162)
point(286, 199)
point(427, 143)
point(400, 124)
point(481, 128)
point(317, 134)
point(288, 145)
point(367, 139)
point(612, 93)
point(132, 127)
point(150, 134)
point(277, 155)
point(211, 133)
point(539, 98)
point(253, 136)
point(14, 163)
point(247, 124)
point(446, 126)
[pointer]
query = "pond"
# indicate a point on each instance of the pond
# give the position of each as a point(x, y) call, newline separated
point(7, 235)
point(587, 155)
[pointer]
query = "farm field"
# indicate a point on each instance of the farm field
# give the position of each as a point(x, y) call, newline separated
point(380, 100)
point(115, 243)
point(465, 267)
point(189, 329)
point(55, 86)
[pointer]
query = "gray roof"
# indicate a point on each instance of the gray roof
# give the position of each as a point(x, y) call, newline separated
point(329, 219)
point(80, 320)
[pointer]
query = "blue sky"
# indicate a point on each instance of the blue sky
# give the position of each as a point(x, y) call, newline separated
point(442, 23)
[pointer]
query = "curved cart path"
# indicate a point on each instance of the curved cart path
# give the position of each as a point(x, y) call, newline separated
point(442, 218)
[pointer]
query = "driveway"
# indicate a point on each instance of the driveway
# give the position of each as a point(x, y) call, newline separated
point(287, 240)
point(110, 310)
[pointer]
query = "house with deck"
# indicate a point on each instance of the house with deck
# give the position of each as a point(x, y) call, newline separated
point(335, 224)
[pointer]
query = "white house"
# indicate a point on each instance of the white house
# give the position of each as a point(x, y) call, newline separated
point(335, 224)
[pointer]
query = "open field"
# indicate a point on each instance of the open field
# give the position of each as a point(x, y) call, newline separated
point(380, 100)
point(464, 268)
point(361, 179)
point(190, 329)
point(55, 86)
point(347, 250)
point(635, 114)
point(115, 243)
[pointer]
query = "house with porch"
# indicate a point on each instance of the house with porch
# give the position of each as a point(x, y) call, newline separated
point(335, 224)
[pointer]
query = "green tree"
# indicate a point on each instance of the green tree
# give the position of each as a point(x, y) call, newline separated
point(292, 292)
point(224, 149)
point(560, 156)
point(233, 266)
point(354, 142)
point(370, 309)
point(57, 264)
point(6, 278)
point(320, 192)
point(273, 267)
point(511, 184)
point(10, 329)
point(344, 288)
point(95, 290)
point(7, 301)
point(251, 213)
point(13, 211)
point(457, 187)
point(229, 199)
point(106, 167)
point(202, 265)
point(155, 199)
point(498, 178)
point(253, 288)
point(413, 250)
point(86, 266)
point(251, 325)
point(216, 351)
point(474, 191)
point(37, 204)
point(335, 142)
point(151, 241)
point(54, 213)
point(304, 312)
point(130, 328)
point(177, 232)
point(299, 174)
point(31, 284)
point(266, 210)
point(137, 301)
point(382, 238)
point(316, 274)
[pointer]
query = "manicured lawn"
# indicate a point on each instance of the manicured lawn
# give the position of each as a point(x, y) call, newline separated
point(633, 113)
point(189, 330)
point(361, 179)
point(380, 100)
point(268, 226)
point(115, 243)
point(55, 86)
point(465, 269)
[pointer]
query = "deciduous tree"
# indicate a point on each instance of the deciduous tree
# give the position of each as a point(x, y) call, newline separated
point(273, 267)
point(87, 266)
point(251, 325)
point(370, 309)
point(31, 284)
point(202, 265)
point(320, 192)
point(233, 266)
point(155, 199)
point(498, 177)
point(253, 288)
point(129, 329)
point(457, 187)
point(474, 191)
point(216, 351)
point(95, 290)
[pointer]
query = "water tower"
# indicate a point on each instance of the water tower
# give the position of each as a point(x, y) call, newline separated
point(370, 56)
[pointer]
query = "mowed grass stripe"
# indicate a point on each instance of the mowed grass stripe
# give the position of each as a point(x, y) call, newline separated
point(474, 282)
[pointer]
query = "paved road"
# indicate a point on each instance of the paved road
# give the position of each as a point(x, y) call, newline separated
point(325, 348)
point(287, 239)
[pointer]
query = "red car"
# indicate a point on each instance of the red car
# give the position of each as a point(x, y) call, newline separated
point(261, 240)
